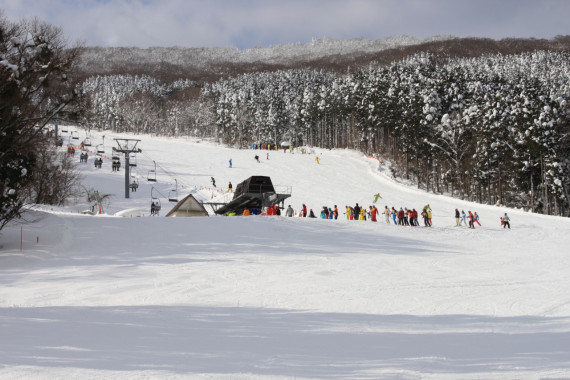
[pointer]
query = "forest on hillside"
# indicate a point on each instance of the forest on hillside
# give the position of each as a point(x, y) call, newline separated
point(492, 128)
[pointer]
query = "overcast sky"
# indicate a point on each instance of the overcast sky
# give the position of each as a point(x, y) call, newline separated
point(250, 23)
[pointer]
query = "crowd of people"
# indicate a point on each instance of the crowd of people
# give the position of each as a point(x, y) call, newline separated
point(402, 217)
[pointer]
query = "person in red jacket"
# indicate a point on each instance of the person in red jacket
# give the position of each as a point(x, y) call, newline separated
point(373, 213)
point(401, 217)
point(304, 211)
point(415, 218)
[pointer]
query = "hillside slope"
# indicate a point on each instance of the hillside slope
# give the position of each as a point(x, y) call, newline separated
point(274, 297)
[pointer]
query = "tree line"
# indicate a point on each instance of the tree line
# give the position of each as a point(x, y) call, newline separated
point(492, 129)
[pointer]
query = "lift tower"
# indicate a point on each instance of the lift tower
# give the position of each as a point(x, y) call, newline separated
point(127, 146)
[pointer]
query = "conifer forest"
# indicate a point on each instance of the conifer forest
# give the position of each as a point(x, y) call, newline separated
point(492, 128)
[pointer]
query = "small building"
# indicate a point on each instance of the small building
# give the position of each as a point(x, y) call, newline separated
point(256, 192)
point(188, 206)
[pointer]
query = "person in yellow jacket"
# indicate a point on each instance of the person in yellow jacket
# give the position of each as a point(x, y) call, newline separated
point(362, 214)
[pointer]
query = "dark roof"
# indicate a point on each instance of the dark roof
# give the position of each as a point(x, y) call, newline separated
point(254, 185)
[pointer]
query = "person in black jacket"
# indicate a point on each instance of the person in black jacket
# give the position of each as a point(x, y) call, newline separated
point(356, 212)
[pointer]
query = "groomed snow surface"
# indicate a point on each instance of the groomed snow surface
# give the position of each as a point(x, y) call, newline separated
point(263, 297)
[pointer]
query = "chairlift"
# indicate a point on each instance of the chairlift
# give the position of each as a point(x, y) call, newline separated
point(134, 183)
point(64, 129)
point(75, 135)
point(100, 149)
point(87, 141)
point(155, 201)
point(151, 176)
point(173, 194)
point(132, 159)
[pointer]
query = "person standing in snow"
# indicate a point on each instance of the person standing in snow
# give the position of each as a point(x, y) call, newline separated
point(335, 212)
point(356, 211)
point(317, 159)
point(304, 211)
point(506, 221)
point(289, 212)
point(373, 213)
point(457, 216)
point(470, 217)
point(230, 163)
point(463, 218)
point(230, 189)
point(386, 214)
point(476, 219)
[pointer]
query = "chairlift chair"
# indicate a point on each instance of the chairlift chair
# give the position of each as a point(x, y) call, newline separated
point(75, 135)
point(87, 141)
point(100, 149)
point(173, 194)
point(64, 129)
point(151, 176)
point(132, 159)
point(155, 200)
point(134, 183)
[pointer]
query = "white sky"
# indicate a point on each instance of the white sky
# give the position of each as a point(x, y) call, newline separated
point(251, 23)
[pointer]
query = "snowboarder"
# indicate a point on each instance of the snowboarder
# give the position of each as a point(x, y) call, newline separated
point(256, 158)
point(230, 189)
point(213, 181)
point(317, 159)
point(376, 197)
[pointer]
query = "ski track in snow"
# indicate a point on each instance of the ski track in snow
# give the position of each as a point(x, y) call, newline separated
point(274, 297)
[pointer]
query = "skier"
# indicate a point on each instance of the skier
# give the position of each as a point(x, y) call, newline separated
point(317, 159)
point(463, 218)
point(376, 197)
point(470, 217)
point(506, 221)
point(230, 189)
point(356, 211)
point(230, 163)
point(373, 213)
point(256, 158)
point(213, 181)
point(386, 214)
point(457, 216)
point(476, 219)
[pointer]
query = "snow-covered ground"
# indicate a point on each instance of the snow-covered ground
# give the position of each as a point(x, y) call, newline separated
point(273, 297)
